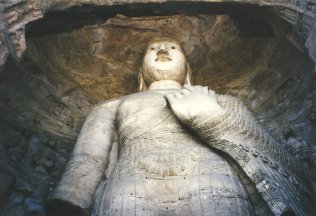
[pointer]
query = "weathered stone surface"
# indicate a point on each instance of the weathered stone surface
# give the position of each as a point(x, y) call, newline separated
point(49, 93)
point(44, 157)
point(16, 14)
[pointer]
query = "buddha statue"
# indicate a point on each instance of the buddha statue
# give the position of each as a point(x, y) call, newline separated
point(177, 149)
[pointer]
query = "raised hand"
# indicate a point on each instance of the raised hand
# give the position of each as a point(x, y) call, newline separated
point(194, 105)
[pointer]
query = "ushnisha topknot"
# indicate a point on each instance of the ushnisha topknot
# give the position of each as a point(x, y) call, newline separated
point(169, 39)
point(159, 39)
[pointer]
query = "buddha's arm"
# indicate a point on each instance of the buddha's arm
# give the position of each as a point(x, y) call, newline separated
point(228, 126)
point(268, 166)
point(90, 158)
point(237, 125)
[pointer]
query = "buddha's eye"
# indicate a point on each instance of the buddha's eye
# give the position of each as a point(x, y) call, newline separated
point(152, 48)
point(173, 47)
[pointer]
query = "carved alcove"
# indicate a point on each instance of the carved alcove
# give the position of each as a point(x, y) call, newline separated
point(81, 55)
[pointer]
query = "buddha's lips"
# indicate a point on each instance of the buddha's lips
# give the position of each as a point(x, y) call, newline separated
point(163, 58)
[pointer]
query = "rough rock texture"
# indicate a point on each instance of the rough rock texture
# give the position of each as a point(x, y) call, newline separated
point(17, 13)
point(49, 93)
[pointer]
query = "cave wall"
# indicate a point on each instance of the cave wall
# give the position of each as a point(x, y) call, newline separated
point(17, 13)
point(61, 76)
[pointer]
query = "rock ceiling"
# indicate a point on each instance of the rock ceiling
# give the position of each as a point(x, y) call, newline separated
point(17, 13)
point(80, 54)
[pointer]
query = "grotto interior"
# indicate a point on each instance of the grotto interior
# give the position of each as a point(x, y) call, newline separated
point(78, 56)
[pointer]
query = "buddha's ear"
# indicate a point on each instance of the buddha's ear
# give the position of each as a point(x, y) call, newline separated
point(141, 83)
point(188, 79)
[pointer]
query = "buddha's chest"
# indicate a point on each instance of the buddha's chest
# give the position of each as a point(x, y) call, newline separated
point(147, 118)
point(151, 138)
point(142, 110)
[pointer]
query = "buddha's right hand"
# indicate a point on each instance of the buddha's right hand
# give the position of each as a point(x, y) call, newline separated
point(193, 105)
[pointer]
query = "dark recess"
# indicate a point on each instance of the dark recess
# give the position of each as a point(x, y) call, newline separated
point(247, 17)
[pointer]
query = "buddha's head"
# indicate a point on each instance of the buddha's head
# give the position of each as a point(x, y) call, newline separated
point(164, 59)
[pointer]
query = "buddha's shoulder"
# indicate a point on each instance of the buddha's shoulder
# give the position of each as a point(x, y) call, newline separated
point(224, 98)
point(114, 103)
point(142, 96)
point(107, 105)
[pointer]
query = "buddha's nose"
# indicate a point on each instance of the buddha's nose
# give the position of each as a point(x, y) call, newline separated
point(162, 52)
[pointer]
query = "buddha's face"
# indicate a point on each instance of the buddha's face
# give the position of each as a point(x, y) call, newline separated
point(164, 60)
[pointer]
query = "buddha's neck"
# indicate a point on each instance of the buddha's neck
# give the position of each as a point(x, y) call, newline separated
point(164, 84)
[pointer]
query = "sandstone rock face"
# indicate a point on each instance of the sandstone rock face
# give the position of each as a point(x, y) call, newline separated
point(63, 75)
point(17, 13)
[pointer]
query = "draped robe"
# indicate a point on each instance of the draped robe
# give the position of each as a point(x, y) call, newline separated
point(226, 166)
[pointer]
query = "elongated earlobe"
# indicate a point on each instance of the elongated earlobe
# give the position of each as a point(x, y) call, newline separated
point(188, 79)
point(142, 86)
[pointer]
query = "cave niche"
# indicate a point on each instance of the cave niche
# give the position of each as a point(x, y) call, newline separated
point(84, 55)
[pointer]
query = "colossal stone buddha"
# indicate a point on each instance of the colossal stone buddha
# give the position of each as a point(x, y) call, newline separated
point(177, 149)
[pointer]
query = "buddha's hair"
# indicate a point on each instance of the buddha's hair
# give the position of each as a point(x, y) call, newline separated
point(159, 39)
